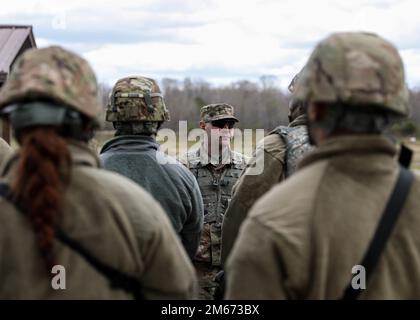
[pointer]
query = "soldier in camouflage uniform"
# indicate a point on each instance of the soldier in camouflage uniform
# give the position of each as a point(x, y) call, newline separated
point(303, 238)
point(216, 173)
point(279, 154)
point(59, 207)
point(137, 110)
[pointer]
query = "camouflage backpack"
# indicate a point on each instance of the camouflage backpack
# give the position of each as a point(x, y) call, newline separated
point(297, 145)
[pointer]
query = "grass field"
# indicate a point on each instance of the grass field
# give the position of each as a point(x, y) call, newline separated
point(103, 136)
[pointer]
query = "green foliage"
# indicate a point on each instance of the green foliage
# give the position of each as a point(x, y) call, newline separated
point(405, 128)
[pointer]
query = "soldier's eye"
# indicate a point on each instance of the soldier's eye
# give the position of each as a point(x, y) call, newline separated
point(223, 124)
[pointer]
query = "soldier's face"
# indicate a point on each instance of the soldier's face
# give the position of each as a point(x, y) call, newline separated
point(220, 130)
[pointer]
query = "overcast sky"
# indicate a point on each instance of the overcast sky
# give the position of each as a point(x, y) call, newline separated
point(219, 41)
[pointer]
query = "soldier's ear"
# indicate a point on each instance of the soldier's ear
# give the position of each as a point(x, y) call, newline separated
point(202, 125)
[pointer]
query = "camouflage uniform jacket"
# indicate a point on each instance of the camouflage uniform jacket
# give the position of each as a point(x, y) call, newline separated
point(279, 152)
point(216, 190)
point(307, 248)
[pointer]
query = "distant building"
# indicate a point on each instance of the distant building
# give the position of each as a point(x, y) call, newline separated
point(14, 40)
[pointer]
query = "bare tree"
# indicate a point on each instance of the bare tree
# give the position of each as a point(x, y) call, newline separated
point(257, 104)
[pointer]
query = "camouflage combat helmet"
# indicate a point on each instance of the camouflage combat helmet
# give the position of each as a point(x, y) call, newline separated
point(293, 83)
point(294, 102)
point(136, 99)
point(55, 75)
point(217, 111)
point(360, 69)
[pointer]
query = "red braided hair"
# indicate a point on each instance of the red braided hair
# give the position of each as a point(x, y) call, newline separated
point(43, 171)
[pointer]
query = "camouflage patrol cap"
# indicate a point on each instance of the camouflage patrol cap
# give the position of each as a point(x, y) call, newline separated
point(359, 69)
point(52, 74)
point(217, 111)
point(136, 99)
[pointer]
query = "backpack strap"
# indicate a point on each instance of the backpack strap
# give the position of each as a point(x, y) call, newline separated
point(384, 229)
point(405, 156)
point(116, 278)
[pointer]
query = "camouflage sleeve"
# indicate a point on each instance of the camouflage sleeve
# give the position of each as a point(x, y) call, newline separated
point(255, 258)
point(251, 187)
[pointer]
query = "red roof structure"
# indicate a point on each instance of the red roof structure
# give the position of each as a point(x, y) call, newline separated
point(14, 40)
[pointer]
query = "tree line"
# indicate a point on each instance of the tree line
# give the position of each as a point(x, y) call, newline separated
point(258, 105)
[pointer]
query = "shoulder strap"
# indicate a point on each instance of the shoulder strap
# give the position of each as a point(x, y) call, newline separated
point(116, 278)
point(405, 156)
point(385, 227)
point(4, 190)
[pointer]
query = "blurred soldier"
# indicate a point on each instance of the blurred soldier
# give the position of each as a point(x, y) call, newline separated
point(5, 150)
point(323, 231)
point(216, 168)
point(137, 110)
point(59, 208)
point(279, 153)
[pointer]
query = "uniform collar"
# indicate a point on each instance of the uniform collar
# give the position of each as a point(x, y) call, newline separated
point(133, 142)
point(299, 121)
point(353, 145)
point(227, 156)
point(82, 154)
